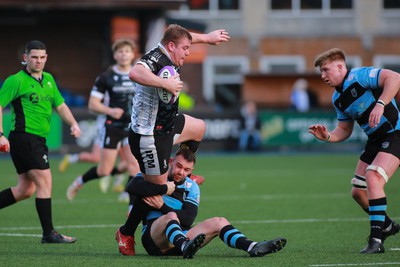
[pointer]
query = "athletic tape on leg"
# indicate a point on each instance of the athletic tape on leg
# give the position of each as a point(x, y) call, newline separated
point(379, 170)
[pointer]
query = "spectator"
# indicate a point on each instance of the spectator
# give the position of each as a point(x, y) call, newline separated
point(300, 100)
point(250, 124)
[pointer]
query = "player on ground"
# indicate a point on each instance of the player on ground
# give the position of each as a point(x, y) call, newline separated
point(168, 227)
point(366, 95)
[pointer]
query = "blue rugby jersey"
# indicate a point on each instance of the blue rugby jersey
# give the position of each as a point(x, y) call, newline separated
point(184, 201)
point(357, 96)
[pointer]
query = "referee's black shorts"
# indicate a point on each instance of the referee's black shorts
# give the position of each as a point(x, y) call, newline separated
point(28, 151)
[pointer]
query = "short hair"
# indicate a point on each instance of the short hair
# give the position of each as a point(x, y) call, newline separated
point(187, 154)
point(174, 33)
point(34, 44)
point(330, 55)
point(121, 43)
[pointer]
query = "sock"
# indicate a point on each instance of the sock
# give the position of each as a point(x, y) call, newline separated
point(91, 174)
point(73, 158)
point(7, 198)
point(138, 212)
point(192, 145)
point(43, 208)
point(115, 171)
point(388, 221)
point(377, 214)
point(234, 238)
point(175, 234)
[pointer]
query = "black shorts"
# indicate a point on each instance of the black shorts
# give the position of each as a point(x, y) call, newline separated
point(28, 151)
point(114, 137)
point(390, 143)
point(153, 151)
point(151, 247)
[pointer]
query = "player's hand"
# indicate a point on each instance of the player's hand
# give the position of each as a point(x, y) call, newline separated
point(319, 131)
point(171, 187)
point(75, 130)
point(4, 144)
point(218, 36)
point(154, 201)
point(117, 113)
point(375, 116)
point(173, 84)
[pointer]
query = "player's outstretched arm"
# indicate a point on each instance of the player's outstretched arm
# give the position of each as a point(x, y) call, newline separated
point(213, 38)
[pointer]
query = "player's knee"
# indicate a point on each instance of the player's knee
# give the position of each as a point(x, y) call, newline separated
point(171, 216)
point(220, 221)
point(21, 194)
point(358, 183)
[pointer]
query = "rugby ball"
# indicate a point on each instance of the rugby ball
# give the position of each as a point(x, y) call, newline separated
point(166, 96)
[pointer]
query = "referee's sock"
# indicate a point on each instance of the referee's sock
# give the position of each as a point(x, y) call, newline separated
point(43, 208)
point(7, 198)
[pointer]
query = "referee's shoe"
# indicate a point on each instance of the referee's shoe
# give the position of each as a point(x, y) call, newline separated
point(56, 238)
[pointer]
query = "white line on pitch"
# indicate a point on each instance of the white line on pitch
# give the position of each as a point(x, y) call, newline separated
point(355, 264)
point(313, 220)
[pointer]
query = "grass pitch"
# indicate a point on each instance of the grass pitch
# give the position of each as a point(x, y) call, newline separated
point(303, 197)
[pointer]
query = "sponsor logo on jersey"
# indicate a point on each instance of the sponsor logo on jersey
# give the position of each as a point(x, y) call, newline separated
point(373, 73)
point(34, 98)
point(354, 92)
point(385, 145)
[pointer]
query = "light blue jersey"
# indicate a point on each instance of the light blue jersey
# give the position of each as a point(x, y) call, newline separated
point(356, 98)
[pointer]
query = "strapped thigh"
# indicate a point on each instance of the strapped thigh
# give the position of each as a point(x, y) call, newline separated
point(379, 170)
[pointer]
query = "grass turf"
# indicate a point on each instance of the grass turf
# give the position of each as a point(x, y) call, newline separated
point(303, 197)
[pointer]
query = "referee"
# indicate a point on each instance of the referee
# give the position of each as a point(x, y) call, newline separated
point(33, 94)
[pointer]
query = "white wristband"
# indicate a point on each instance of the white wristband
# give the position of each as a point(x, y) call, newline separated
point(380, 102)
point(329, 137)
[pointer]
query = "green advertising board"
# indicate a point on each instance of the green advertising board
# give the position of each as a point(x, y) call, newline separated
point(290, 128)
point(55, 136)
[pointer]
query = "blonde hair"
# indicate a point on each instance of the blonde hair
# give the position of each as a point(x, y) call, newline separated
point(121, 43)
point(330, 55)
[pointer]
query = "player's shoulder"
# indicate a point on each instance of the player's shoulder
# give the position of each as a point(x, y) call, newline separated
point(191, 185)
point(363, 72)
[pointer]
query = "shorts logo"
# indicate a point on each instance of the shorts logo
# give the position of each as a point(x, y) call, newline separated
point(385, 145)
point(45, 158)
point(148, 159)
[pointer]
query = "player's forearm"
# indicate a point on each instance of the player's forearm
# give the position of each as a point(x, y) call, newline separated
point(145, 189)
point(66, 114)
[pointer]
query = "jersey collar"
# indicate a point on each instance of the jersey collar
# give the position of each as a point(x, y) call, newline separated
point(340, 87)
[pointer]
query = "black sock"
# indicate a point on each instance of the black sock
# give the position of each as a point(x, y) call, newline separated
point(175, 234)
point(115, 171)
point(234, 238)
point(388, 221)
point(7, 198)
point(377, 215)
point(131, 197)
point(43, 208)
point(192, 145)
point(91, 174)
point(137, 214)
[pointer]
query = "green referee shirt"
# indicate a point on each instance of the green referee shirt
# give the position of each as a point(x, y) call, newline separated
point(32, 101)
